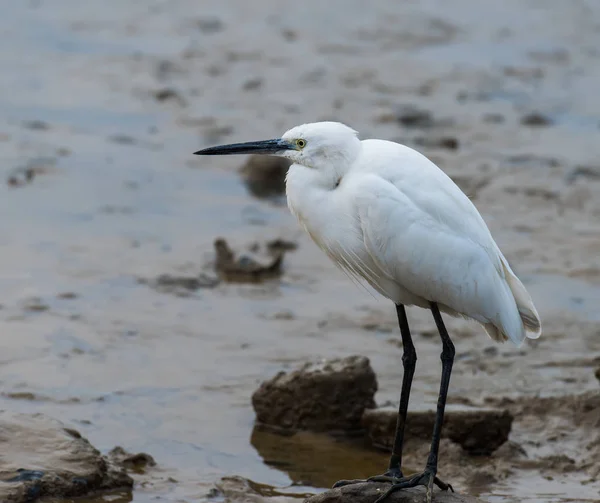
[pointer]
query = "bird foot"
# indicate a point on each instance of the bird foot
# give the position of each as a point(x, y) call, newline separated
point(427, 479)
point(390, 476)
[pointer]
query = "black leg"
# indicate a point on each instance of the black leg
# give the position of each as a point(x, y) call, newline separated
point(447, 357)
point(428, 478)
point(409, 361)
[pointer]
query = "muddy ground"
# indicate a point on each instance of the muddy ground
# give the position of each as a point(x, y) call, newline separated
point(101, 107)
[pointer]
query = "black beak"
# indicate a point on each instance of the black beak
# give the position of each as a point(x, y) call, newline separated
point(252, 147)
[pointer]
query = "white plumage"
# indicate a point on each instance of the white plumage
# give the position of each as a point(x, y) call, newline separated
point(387, 215)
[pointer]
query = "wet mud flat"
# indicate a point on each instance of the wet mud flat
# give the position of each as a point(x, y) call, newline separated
point(101, 108)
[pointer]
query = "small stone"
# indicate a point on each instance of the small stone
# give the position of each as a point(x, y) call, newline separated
point(253, 84)
point(168, 94)
point(35, 304)
point(597, 373)
point(329, 396)
point(36, 124)
point(264, 176)
point(478, 431)
point(136, 462)
point(26, 174)
point(536, 119)
point(447, 142)
point(210, 25)
point(411, 116)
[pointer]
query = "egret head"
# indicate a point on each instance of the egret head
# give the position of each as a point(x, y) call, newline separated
point(323, 146)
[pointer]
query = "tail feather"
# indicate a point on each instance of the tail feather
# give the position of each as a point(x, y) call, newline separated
point(529, 315)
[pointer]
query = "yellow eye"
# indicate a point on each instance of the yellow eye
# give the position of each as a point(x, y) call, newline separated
point(300, 143)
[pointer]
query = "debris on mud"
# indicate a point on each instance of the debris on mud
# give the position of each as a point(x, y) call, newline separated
point(414, 117)
point(36, 124)
point(244, 269)
point(281, 245)
point(328, 396)
point(264, 176)
point(586, 172)
point(168, 94)
point(368, 492)
point(134, 462)
point(478, 431)
point(43, 458)
point(445, 142)
point(35, 305)
point(26, 174)
point(536, 119)
point(182, 286)
point(238, 489)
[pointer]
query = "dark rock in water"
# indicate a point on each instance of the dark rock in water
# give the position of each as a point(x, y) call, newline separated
point(370, 491)
point(135, 462)
point(42, 458)
point(478, 431)
point(330, 396)
point(264, 176)
point(244, 269)
point(536, 119)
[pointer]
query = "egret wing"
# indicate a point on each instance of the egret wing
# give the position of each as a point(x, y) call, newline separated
point(418, 245)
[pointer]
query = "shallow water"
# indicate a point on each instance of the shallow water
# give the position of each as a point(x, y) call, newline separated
point(124, 199)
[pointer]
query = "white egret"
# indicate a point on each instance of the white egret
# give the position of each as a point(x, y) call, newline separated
point(387, 215)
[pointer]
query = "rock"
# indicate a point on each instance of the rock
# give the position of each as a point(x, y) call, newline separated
point(135, 462)
point(43, 458)
point(597, 373)
point(232, 489)
point(478, 431)
point(370, 491)
point(244, 269)
point(264, 176)
point(330, 396)
point(536, 119)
